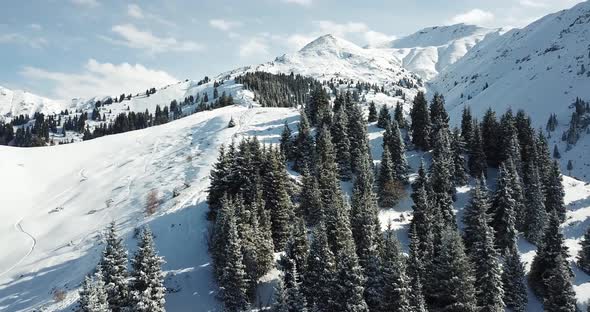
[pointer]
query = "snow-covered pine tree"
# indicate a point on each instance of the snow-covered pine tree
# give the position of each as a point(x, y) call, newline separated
point(286, 142)
point(359, 139)
point(560, 294)
point(451, 286)
point(489, 134)
point(556, 153)
point(303, 146)
point(372, 112)
point(398, 116)
point(424, 213)
point(475, 214)
point(550, 253)
point(503, 211)
point(584, 254)
point(263, 242)
point(277, 198)
point(319, 277)
point(508, 140)
point(310, 202)
point(414, 272)
point(93, 296)
point(219, 184)
point(349, 288)
point(554, 192)
point(297, 248)
point(388, 189)
point(341, 141)
point(439, 117)
point(114, 268)
point(292, 298)
point(384, 117)
point(441, 173)
point(396, 289)
point(488, 278)
point(459, 164)
point(233, 282)
point(477, 158)
point(397, 148)
point(148, 290)
point(536, 215)
point(466, 126)
point(513, 281)
point(420, 126)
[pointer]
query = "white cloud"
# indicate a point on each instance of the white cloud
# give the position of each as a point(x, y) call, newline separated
point(254, 47)
point(86, 3)
point(100, 79)
point(473, 17)
point(33, 42)
point(299, 2)
point(134, 11)
point(223, 25)
point(341, 30)
point(146, 40)
point(375, 38)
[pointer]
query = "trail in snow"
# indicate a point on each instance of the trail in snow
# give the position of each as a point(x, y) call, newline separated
point(18, 226)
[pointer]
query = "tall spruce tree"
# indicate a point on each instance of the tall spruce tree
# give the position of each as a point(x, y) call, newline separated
point(554, 192)
point(508, 140)
point(459, 164)
point(441, 174)
point(93, 296)
point(396, 289)
point(388, 189)
point(148, 280)
point(233, 281)
point(219, 184)
point(513, 281)
point(475, 214)
point(535, 215)
point(349, 285)
point(503, 211)
point(303, 145)
point(392, 140)
point(310, 201)
point(372, 112)
point(384, 117)
point(560, 294)
point(341, 141)
point(359, 139)
point(439, 117)
point(584, 254)
point(398, 116)
point(319, 277)
point(489, 134)
point(477, 158)
point(286, 142)
point(114, 268)
point(290, 297)
point(466, 125)
point(415, 271)
point(424, 213)
point(420, 127)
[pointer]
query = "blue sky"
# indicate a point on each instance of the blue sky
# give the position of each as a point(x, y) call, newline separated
point(79, 48)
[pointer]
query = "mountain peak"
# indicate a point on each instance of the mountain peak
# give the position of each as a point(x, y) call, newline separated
point(329, 43)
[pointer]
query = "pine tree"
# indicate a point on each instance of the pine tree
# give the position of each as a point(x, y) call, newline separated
point(341, 141)
point(556, 153)
point(93, 296)
point(554, 192)
point(219, 184)
point(319, 277)
point(551, 254)
point(388, 189)
point(384, 117)
point(424, 213)
point(584, 254)
point(286, 142)
point(297, 248)
point(459, 164)
point(560, 295)
point(392, 140)
point(508, 140)
point(398, 116)
point(114, 268)
point(438, 116)
point(349, 291)
point(475, 214)
point(310, 199)
point(535, 215)
point(277, 198)
point(415, 271)
point(466, 126)
point(372, 112)
point(233, 281)
point(396, 289)
point(148, 280)
point(489, 134)
point(503, 211)
point(453, 289)
point(290, 298)
point(318, 107)
point(303, 146)
point(441, 174)
point(513, 281)
point(420, 127)
point(359, 139)
point(477, 158)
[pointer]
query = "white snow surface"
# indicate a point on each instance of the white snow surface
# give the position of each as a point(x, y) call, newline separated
point(19, 102)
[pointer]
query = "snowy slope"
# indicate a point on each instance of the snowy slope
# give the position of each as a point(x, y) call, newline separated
point(50, 235)
point(430, 51)
point(18, 102)
point(541, 68)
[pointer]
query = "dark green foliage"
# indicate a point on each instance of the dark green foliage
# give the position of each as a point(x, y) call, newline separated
point(303, 147)
point(466, 125)
point(392, 140)
point(348, 293)
point(477, 158)
point(372, 112)
point(359, 139)
point(560, 294)
point(554, 192)
point(340, 138)
point(219, 184)
point(556, 153)
point(320, 275)
point(535, 217)
point(503, 209)
point(384, 117)
point(114, 267)
point(415, 272)
point(233, 281)
point(286, 143)
point(584, 254)
point(396, 288)
point(508, 140)
point(490, 136)
point(513, 281)
point(279, 90)
point(420, 127)
point(388, 189)
point(318, 108)
point(459, 164)
point(438, 117)
point(310, 199)
point(148, 288)
point(398, 116)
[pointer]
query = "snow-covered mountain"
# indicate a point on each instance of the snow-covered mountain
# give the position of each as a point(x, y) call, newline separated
point(19, 102)
point(541, 68)
point(430, 51)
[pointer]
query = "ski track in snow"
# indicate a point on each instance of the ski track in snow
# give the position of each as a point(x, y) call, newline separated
point(18, 226)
